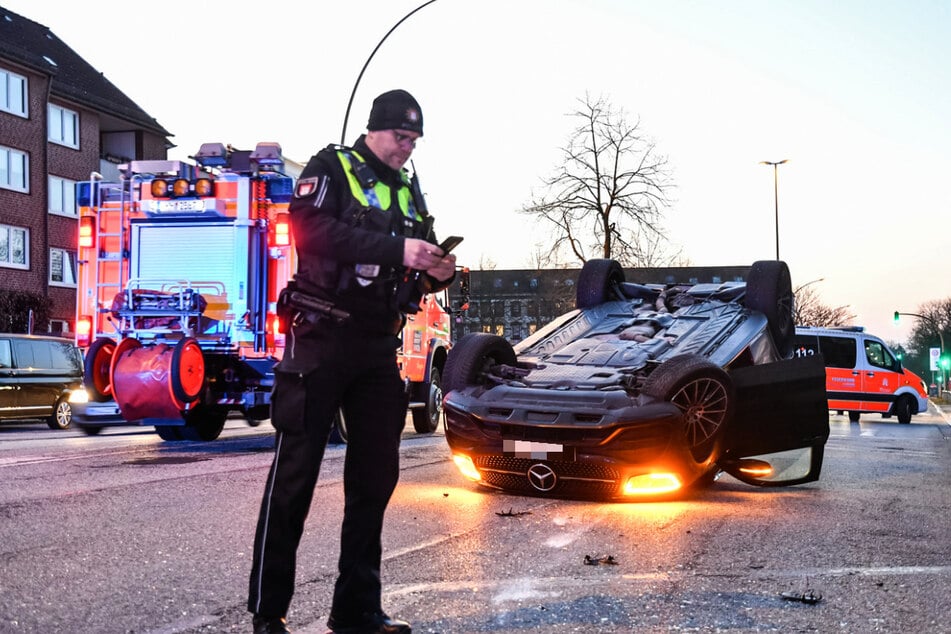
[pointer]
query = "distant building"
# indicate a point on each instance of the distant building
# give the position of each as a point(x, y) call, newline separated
point(515, 303)
point(60, 121)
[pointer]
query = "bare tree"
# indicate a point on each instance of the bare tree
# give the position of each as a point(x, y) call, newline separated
point(606, 199)
point(809, 310)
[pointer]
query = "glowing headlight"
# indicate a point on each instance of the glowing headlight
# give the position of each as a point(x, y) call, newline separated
point(79, 396)
point(466, 466)
point(651, 484)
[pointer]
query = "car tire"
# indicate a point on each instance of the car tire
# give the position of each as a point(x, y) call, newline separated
point(338, 430)
point(904, 408)
point(62, 416)
point(853, 417)
point(91, 430)
point(472, 357)
point(96, 369)
point(426, 419)
point(597, 281)
point(769, 291)
point(703, 392)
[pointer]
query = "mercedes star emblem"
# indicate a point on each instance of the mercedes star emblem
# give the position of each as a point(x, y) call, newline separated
point(542, 477)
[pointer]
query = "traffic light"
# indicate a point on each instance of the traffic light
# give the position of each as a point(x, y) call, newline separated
point(945, 361)
point(897, 314)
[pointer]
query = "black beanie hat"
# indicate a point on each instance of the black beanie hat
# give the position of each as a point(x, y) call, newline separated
point(396, 110)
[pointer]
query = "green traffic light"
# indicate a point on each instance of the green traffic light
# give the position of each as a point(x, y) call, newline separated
point(896, 316)
point(945, 362)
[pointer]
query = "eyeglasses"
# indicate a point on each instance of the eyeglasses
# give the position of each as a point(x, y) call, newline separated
point(404, 140)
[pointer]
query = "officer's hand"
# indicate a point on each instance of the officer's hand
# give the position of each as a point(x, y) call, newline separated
point(421, 255)
point(445, 269)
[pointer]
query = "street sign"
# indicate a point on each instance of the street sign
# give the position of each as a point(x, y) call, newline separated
point(934, 356)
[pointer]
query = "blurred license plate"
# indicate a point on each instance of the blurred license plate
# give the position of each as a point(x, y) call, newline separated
point(529, 449)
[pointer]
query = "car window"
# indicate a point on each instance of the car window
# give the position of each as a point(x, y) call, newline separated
point(839, 352)
point(805, 345)
point(6, 354)
point(879, 356)
point(64, 357)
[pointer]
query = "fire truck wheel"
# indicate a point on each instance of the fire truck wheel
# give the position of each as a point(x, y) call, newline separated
point(188, 371)
point(257, 414)
point(426, 419)
point(169, 432)
point(96, 369)
point(338, 431)
point(204, 423)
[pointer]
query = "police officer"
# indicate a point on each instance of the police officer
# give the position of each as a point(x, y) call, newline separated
point(358, 230)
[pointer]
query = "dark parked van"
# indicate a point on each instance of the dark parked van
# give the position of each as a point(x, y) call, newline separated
point(37, 375)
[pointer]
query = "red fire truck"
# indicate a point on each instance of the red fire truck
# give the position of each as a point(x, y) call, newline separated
point(180, 267)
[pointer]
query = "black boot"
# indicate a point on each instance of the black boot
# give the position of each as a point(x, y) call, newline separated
point(376, 623)
point(270, 624)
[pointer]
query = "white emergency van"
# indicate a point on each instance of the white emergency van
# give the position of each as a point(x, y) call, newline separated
point(862, 374)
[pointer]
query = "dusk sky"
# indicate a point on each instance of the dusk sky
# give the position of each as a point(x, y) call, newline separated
point(855, 94)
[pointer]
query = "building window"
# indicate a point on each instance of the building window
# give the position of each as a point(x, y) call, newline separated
point(14, 247)
point(13, 95)
point(486, 328)
point(64, 126)
point(62, 196)
point(14, 170)
point(500, 330)
point(62, 267)
point(515, 309)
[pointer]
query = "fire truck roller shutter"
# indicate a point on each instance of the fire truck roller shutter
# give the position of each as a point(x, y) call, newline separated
point(158, 381)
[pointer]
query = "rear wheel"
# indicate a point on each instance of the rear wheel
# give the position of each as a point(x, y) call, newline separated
point(853, 417)
point(426, 419)
point(91, 430)
point(169, 432)
point(473, 357)
point(703, 392)
point(204, 423)
point(62, 416)
point(904, 408)
point(257, 414)
point(597, 281)
point(769, 291)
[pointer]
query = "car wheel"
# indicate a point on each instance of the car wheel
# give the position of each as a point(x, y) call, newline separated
point(769, 291)
point(91, 430)
point(904, 408)
point(338, 431)
point(853, 417)
point(703, 392)
point(96, 369)
point(62, 416)
point(597, 281)
point(473, 357)
point(426, 419)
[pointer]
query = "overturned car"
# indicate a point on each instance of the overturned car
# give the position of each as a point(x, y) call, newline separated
point(642, 391)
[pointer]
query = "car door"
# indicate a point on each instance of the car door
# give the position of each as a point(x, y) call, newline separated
point(8, 380)
point(38, 382)
point(781, 419)
point(881, 376)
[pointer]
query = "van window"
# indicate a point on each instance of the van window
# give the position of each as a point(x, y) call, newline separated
point(6, 354)
point(838, 352)
point(805, 345)
point(879, 356)
point(65, 356)
point(34, 354)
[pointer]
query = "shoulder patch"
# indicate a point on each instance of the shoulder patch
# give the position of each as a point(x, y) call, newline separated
point(307, 187)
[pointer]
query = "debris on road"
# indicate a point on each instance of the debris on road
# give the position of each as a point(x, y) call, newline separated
point(511, 513)
point(608, 560)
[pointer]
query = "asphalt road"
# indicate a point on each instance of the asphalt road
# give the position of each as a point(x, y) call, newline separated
point(124, 533)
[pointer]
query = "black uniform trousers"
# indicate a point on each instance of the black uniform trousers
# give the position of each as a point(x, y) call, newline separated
point(321, 371)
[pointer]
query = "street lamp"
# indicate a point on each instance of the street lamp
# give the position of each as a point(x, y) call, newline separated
point(775, 165)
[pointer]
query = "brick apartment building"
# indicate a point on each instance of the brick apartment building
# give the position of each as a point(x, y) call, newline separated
point(515, 303)
point(60, 120)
